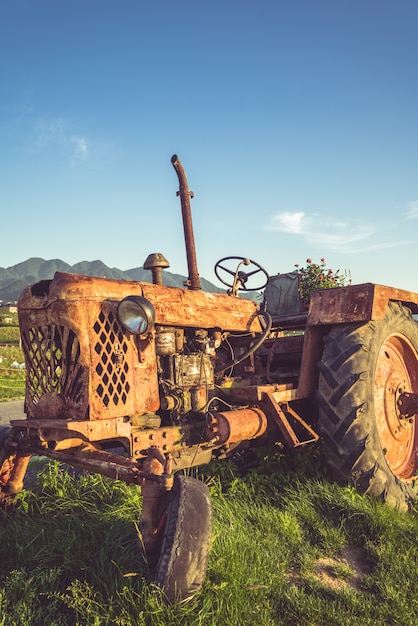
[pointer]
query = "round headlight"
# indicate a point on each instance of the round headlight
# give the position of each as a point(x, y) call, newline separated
point(136, 314)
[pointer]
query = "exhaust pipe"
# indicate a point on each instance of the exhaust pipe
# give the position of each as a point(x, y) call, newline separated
point(193, 281)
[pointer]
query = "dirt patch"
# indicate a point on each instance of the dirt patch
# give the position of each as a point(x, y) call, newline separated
point(345, 570)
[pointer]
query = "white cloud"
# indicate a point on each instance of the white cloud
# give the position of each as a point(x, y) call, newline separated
point(80, 149)
point(288, 222)
point(412, 209)
point(56, 133)
point(341, 236)
point(330, 233)
point(50, 132)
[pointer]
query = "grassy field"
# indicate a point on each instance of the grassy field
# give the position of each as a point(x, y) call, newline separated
point(12, 378)
point(289, 547)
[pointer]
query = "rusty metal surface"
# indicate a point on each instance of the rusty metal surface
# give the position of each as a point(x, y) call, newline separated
point(178, 307)
point(356, 303)
point(181, 441)
point(152, 517)
point(167, 439)
point(81, 364)
point(396, 372)
point(90, 430)
point(233, 426)
point(173, 306)
point(255, 393)
point(283, 414)
point(17, 474)
point(341, 305)
point(156, 262)
point(383, 294)
point(95, 460)
point(312, 351)
point(185, 195)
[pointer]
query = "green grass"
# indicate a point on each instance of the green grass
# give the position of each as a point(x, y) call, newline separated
point(289, 547)
point(12, 379)
point(9, 334)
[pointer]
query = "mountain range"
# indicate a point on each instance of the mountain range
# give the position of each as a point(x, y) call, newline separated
point(15, 278)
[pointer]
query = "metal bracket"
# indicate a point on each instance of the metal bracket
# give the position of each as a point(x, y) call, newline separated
point(282, 414)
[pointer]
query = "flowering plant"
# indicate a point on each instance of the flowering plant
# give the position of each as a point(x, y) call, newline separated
point(317, 276)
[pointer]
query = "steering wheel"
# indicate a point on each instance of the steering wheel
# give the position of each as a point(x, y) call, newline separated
point(240, 277)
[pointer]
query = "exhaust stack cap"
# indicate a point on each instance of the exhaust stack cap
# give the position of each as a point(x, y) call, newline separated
point(156, 259)
point(156, 262)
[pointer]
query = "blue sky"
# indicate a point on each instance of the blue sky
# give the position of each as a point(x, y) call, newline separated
point(296, 122)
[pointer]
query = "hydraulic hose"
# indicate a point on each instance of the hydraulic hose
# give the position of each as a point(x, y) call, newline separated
point(254, 346)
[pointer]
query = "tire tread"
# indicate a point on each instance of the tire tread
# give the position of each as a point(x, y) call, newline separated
point(345, 401)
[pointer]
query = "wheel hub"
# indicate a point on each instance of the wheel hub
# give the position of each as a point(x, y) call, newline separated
point(395, 378)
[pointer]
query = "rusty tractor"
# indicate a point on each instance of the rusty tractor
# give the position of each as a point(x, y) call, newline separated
point(174, 377)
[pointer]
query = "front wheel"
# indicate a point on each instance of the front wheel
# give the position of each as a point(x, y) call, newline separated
point(364, 370)
point(184, 555)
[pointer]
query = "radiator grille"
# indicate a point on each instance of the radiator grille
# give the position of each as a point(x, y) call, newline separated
point(52, 355)
point(112, 367)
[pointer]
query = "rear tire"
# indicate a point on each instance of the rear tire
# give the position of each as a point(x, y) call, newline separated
point(363, 370)
point(184, 555)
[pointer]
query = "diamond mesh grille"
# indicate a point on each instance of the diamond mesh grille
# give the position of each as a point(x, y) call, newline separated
point(52, 355)
point(112, 367)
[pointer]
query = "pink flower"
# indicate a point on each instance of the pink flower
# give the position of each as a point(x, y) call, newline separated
point(296, 264)
point(322, 260)
point(329, 271)
point(309, 260)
